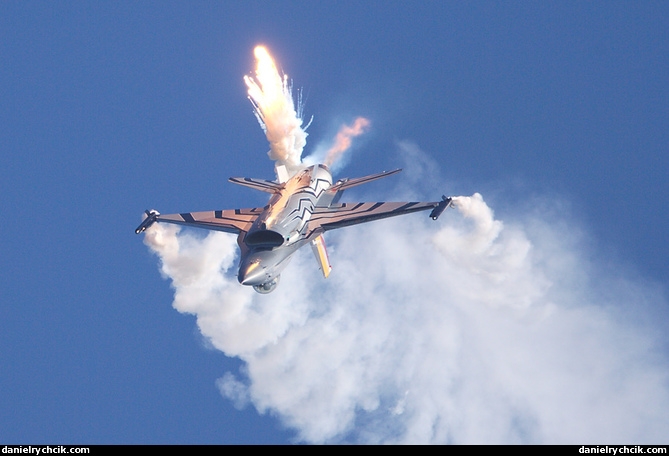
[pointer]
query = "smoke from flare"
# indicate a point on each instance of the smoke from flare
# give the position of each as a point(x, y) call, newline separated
point(272, 99)
point(343, 139)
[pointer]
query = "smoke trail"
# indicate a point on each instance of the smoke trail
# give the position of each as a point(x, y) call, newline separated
point(468, 330)
point(342, 143)
point(343, 139)
point(274, 108)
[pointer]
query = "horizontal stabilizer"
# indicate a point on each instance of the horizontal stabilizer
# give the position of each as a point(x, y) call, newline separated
point(258, 184)
point(348, 183)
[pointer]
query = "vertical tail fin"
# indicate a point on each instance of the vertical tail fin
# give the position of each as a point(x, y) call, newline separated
point(281, 173)
point(318, 247)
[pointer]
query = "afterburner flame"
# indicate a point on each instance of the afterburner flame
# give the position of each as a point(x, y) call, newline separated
point(272, 99)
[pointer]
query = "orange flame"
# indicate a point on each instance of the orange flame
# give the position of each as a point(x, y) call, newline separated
point(272, 99)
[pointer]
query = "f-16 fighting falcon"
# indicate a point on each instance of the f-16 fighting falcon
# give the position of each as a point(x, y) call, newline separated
point(299, 211)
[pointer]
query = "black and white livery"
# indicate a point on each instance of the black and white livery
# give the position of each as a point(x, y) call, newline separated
point(299, 211)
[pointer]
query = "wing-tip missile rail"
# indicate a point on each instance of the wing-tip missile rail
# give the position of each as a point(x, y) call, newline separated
point(441, 207)
point(150, 219)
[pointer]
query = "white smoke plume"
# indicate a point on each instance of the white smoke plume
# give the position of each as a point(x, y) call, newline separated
point(467, 330)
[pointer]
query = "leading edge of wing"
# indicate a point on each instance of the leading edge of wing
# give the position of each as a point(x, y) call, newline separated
point(229, 221)
point(347, 214)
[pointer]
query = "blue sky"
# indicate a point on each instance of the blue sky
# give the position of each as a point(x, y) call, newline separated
point(111, 108)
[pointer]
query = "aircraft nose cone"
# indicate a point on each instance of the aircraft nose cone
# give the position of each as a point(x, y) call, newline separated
point(251, 274)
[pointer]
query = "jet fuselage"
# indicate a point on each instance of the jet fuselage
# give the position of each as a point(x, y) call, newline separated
point(280, 230)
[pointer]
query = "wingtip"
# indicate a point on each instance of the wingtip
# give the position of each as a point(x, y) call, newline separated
point(151, 216)
point(445, 203)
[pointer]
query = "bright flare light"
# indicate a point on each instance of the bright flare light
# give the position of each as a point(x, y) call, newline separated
point(272, 99)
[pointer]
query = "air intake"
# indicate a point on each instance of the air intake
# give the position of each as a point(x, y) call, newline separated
point(263, 238)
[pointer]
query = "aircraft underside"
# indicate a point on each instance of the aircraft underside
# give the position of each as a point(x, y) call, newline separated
point(299, 211)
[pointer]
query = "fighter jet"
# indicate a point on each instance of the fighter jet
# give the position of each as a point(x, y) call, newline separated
point(300, 210)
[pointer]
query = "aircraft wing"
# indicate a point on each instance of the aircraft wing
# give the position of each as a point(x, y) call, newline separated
point(229, 221)
point(346, 214)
